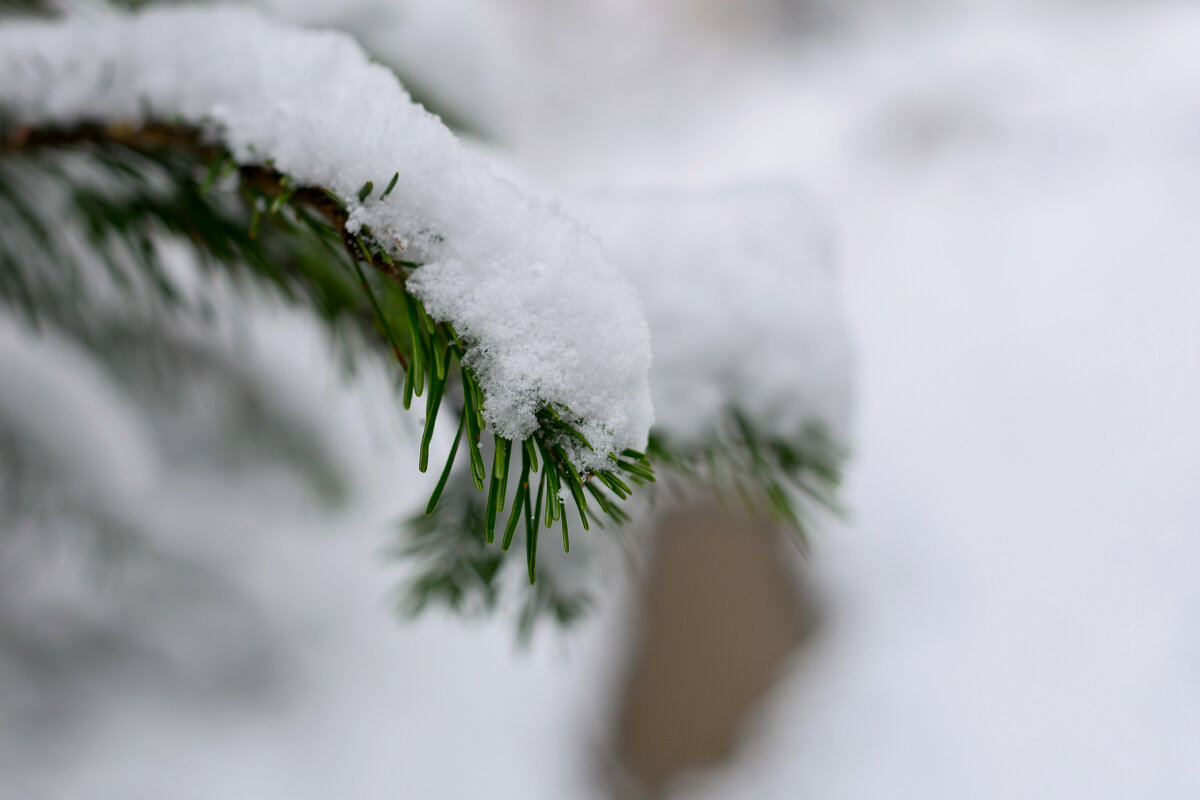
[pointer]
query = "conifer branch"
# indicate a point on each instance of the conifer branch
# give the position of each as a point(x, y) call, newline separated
point(263, 179)
point(351, 237)
point(425, 349)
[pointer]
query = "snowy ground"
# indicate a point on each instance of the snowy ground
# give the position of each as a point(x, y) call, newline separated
point(1014, 602)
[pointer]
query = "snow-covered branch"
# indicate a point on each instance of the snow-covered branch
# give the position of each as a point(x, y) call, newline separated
point(546, 321)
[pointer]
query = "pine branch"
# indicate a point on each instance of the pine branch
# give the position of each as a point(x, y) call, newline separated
point(429, 352)
point(789, 481)
point(427, 256)
point(353, 240)
point(265, 181)
point(458, 569)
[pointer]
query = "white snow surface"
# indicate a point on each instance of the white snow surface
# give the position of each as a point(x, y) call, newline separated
point(739, 288)
point(548, 319)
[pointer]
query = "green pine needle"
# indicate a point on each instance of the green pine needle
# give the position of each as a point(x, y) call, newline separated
point(391, 185)
point(520, 506)
point(436, 495)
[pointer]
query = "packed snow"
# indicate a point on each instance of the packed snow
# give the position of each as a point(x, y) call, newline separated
point(548, 320)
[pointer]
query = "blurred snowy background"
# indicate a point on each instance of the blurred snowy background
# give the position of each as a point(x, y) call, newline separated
point(1012, 608)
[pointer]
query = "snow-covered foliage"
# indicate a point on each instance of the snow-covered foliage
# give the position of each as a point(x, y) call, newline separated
point(547, 320)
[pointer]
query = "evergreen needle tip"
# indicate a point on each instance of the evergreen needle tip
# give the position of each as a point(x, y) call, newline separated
point(391, 185)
